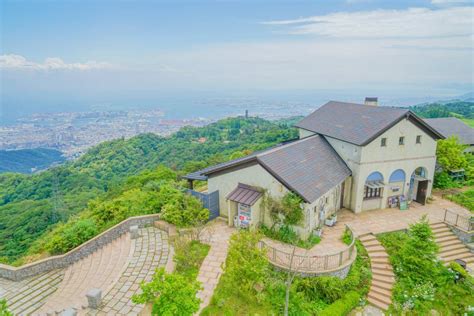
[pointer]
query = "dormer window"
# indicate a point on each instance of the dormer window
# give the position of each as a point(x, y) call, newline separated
point(418, 139)
point(401, 141)
point(383, 142)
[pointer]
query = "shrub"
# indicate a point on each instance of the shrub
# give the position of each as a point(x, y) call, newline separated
point(422, 282)
point(347, 237)
point(170, 294)
point(71, 235)
point(184, 211)
point(246, 265)
point(287, 235)
point(188, 256)
point(343, 306)
point(4, 308)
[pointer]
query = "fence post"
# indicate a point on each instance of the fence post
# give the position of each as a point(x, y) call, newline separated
point(325, 262)
point(445, 212)
point(340, 258)
point(457, 217)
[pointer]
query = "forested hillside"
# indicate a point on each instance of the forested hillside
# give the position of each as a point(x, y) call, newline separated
point(31, 205)
point(462, 110)
point(28, 160)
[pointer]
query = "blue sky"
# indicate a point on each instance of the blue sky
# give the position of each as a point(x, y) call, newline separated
point(96, 50)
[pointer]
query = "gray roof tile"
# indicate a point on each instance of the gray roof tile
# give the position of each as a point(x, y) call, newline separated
point(351, 122)
point(244, 194)
point(449, 126)
point(309, 167)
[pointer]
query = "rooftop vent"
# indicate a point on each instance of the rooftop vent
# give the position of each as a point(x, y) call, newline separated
point(374, 101)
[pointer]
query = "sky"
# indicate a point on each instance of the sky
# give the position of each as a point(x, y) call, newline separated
point(60, 53)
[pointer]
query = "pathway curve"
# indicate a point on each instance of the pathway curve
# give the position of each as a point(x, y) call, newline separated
point(217, 235)
point(383, 278)
point(98, 270)
point(149, 251)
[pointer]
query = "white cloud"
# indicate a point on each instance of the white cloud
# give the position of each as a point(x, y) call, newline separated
point(409, 23)
point(449, 2)
point(13, 61)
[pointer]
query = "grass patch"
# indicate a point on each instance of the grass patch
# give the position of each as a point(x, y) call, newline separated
point(250, 286)
point(175, 293)
point(469, 122)
point(465, 199)
point(423, 283)
point(287, 235)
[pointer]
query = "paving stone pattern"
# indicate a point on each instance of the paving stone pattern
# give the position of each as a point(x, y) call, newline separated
point(150, 251)
point(98, 270)
point(27, 296)
point(211, 268)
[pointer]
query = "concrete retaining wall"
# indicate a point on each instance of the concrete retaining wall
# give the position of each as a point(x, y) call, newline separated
point(81, 251)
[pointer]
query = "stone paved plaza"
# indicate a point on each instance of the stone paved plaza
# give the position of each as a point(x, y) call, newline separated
point(377, 221)
point(117, 269)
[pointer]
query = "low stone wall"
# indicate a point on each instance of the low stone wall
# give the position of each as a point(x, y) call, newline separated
point(466, 237)
point(81, 251)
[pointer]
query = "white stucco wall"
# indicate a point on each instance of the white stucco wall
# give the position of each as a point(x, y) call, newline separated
point(253, 175)
point(305, 133)
point(386, 160)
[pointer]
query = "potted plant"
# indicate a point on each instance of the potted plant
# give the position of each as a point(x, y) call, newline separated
point(331, 221)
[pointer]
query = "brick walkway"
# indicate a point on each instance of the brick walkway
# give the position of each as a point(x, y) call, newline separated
point(150, 251)
point(376, 222)
point(217, 236)
point(98, 270)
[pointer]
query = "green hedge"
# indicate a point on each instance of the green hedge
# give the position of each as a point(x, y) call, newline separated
point(342, 306)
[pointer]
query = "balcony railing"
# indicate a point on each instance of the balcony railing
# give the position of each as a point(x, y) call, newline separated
point(463, 222)
point(311, 264)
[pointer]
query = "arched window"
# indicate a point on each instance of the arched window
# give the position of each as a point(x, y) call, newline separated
point(397, 176)
point(373, 186)
point(375, 176)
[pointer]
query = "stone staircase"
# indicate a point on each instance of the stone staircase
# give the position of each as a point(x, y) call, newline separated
point(27, 296)
point(383, 278)
point(450, 247)
point(98, 270)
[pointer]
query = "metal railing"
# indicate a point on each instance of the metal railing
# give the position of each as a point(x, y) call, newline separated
point(310, 263)
point(463, 222)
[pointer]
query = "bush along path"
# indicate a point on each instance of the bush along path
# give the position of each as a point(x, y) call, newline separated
point(450, 247)
point(383, 278)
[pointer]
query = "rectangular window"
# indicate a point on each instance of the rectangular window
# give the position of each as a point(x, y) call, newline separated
point(418, 139)
point(370, 193)
point(383, 142)
point(401, 141)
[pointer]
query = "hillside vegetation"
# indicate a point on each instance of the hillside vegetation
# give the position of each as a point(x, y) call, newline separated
point(28, 160)
point(105, 179)
point(460, 109)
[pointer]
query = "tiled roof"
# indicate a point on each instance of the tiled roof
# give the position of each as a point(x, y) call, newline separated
point(449, 126)
point(309, 167)
point(244, 194)
point(354, 123)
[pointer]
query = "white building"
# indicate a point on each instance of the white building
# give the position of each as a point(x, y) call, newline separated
point(361, 157)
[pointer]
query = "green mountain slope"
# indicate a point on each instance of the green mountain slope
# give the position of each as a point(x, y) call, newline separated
point(24, 160)
point(31, 205)
point(461, 109)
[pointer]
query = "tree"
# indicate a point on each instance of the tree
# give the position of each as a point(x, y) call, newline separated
point(450, 154)
point(171, 294)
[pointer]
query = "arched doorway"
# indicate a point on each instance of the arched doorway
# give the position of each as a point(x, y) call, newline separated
point(418, 185)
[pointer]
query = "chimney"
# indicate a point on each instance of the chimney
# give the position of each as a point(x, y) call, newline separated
point(374, 101)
